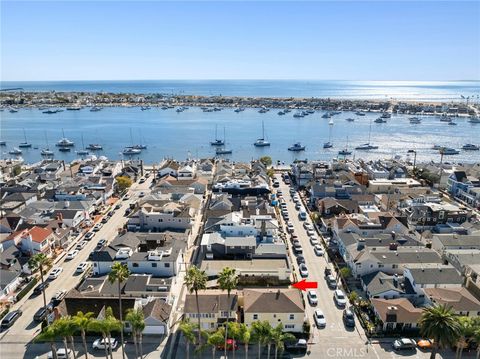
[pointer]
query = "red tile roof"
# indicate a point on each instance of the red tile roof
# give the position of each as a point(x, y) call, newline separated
point(39, 234)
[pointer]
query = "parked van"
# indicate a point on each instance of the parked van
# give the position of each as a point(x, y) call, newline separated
point(11, 318)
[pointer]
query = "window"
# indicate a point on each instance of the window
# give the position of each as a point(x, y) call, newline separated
point(167, 265)
point(160, 220)
point(154, 265)
point(292, 317)
point(135, 265)
point(289, 326)
point(255, 316)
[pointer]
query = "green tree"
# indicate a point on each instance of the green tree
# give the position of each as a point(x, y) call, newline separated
point(353, 296)
point(99, 326)
point(245, 335)
point(279, 338)
point(112, 325)
point(61, 326)
point(266, 160)
point(261, 332)
point(476, 335)
point(137, 323)
point(16, 170)
point(67, 329)
point(49, 334)
point(196, 280)
point(188, 331)
point(440, 324)
point(215, 339)
point(227, 280)
point(123, 183)
point(345, 272)
point(82, 322)
point(119, 274)
point(466, 332)
point(234, 333)
point(270, 172)
point(40, 261)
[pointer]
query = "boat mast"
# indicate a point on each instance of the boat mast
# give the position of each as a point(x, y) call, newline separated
point(25, 135)
point(263, 131)
point(46, 139)
point(369, 131)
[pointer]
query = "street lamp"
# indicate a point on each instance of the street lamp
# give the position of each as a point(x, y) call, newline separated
point(414, 159)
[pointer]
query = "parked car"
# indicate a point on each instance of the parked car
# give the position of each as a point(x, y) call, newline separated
point(404, 344)
point(105, 219)
point(302, 215)
point(39, 288)
point(141, 194)
point(310, 233)
point(300, 259)
point(142, 180)
point(290, 227)
point(10, 318)
point(312, 297)
point(348, 318)
point(340, 298)
point(319, 319)
point(297, 249)
point(126, 197)
point(97, 227)
point(61, 354)
point(303, 270)
point(307, 226)
point(296, 347)
point(82, 267)
point(72, 254)
point(298, 205)
point(40, 314)
point(425, 344)
point(318, 250)
point(58, 296)
point(118, 206)
point(327, 272)
point(231, 344)
point(80, 245)
point(313, 241)
point(102, 343)
point(331, 281)
point(89, 236)
point(55, 273)
point(101, 243)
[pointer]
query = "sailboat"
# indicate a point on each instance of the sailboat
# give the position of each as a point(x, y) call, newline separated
point(217, 141)
point(345, 151)
point(24, 144)
point(131, 150)
point(15, 151)
point(367, 146)
point(65, 142)
point(83, 151)
point(223, 150)
point(261, 142)
point(329, 144)
point(141, 146)
point(46, 151)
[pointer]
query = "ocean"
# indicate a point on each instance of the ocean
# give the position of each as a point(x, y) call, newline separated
point(168, 133)
point(364, 90)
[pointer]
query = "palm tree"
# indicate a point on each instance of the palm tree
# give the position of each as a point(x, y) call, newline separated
point(137, 323)
point(261, 332)
point(40, 261)
point(196, 280)
point(112, 324)
point(100, 326)
point(82, 321)
point(49, 334)
point(61, 326)
point(279, 338)
point(466, 332)
point(227, 280)
point(119, 274)
point(215, 339)
point(187, 330)
point(244, 334)
point(439, 323)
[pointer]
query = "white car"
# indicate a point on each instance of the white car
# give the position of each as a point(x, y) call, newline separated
point(61, 354)
point(340, 298)
point(102, 343)
point(303, 270)
point(318, 250)
point(319, 319)
point(310, 233)
point(55, 273)
point(312, 297)
point(81, 245)
point(58, 296)
point(307, 226)
point(290, 227)
point(313, 241)
point(82, 267)
point(71, 255)
point(97, 227)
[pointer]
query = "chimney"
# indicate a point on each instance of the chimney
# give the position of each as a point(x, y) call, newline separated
point(278, 294)
point(395, 280)
point(360, 244)
point(393, 235)
point(393, 246)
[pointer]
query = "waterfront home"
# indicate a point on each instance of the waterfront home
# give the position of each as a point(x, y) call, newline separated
point(215, 307)
point(275, 305)
point(168, 168)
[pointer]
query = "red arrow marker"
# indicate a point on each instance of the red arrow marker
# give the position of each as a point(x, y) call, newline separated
point(303, 285)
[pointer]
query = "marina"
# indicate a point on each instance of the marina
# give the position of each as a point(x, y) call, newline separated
point(184, 134)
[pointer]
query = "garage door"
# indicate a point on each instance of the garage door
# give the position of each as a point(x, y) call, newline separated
point(157, 329)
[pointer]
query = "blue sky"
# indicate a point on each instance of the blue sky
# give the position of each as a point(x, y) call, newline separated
point(120, 40)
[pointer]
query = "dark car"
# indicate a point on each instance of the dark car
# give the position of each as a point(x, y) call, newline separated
point(11, 318)
point(296, 347)
point(348, 318)
point(118, 206)
point(327, 272)
point(300, 259)
point(41, 314)
point(39, 288)
point(101, 243)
